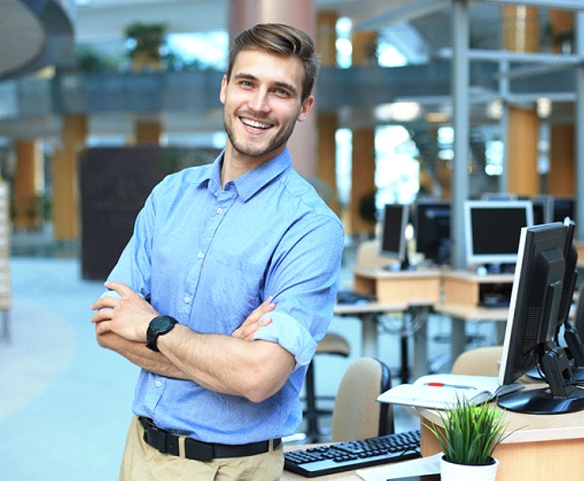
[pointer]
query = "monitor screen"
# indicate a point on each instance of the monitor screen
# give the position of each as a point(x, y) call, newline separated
point(542, 209)
point(563, 207)
point(393, 232)
point(432, 230)
point(533, 313)
point(492, 230)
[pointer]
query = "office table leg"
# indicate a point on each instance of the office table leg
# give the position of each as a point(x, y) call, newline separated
point(421, 344)
point(458, 338)
point(369, 335)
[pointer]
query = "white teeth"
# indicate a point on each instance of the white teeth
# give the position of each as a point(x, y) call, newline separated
point(255, 124)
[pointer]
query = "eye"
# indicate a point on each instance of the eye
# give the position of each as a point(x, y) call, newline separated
point(282, 92)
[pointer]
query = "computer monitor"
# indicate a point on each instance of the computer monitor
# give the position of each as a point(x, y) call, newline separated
point(492, 231)
point(563, 207)
point(394, 222)
point(533, 313)
point(572, 334)
point(570, 276)
point(432, 230)
point(543, 209)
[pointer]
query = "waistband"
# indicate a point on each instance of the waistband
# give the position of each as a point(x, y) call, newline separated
point(168, 443)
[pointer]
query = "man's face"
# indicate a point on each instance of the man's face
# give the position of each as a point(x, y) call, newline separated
point(262, 102)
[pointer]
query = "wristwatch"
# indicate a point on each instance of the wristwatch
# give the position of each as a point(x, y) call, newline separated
point(158, 326)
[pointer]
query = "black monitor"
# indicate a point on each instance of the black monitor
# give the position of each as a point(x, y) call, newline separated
point(432, 230)
point(492, 231)
point(543, 208)
point(393, 233)
point(570, 276)
point(563, 207)
point(572, 334)
point(531, 325)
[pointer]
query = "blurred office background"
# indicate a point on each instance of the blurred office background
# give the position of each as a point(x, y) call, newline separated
point(100, 98)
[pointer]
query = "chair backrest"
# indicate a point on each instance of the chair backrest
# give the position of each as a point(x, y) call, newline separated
point(482, 361)
point(357, 414)
point(368, 256)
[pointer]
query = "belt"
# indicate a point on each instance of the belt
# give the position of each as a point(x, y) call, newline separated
point(168, 443)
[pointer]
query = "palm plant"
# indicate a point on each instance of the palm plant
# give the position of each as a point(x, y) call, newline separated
point(471, 432)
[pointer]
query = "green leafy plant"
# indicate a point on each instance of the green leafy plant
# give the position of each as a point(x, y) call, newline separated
point(471, 432)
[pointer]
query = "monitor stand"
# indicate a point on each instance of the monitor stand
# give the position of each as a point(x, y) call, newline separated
point(561, 397)
point(399, 266)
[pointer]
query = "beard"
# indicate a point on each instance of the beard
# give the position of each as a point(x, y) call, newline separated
point(256, 149)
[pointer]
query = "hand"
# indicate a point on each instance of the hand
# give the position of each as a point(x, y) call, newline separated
point(127, 315)
point(254, 321)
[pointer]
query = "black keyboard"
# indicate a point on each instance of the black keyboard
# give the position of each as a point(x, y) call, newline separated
point(350, 455)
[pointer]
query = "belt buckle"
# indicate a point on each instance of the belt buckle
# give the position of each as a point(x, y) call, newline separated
point(197, 450)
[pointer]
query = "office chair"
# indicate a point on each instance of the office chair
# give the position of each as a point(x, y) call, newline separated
point(356, 412)
point(368, 255)
point(482, 361)
point(331, 344)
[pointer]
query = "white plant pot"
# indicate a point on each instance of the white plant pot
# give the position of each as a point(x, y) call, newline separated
point(467, 472)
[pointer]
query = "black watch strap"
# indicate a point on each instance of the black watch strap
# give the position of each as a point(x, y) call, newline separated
point(158, 326)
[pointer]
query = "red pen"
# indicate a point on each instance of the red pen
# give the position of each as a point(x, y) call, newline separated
point(441, 384)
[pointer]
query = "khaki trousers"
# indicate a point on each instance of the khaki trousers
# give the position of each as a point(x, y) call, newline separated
point(144, 463)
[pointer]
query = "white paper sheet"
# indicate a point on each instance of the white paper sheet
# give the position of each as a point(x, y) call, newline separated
point(413, 467)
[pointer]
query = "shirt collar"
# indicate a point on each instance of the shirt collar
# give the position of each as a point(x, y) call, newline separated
point(251, 182)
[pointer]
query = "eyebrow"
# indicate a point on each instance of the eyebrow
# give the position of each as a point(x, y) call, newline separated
point(284, 85)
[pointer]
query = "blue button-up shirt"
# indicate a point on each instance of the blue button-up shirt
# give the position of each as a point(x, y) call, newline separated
point(208, 257)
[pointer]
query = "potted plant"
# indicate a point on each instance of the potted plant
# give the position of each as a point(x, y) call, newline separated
point(468, 439)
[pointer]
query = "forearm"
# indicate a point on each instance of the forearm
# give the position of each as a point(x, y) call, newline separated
point(255, 370)
point(139, 354)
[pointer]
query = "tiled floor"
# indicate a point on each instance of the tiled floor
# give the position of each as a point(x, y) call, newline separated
point(65, 402)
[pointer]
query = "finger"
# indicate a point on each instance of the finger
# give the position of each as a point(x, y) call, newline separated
point(102, 327)
point(123, 289)
point(249, 331)
point(107, 300)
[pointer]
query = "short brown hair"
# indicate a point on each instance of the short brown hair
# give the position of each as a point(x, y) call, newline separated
point(279, 39)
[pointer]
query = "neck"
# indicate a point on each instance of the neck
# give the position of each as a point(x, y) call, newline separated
point(235, 164)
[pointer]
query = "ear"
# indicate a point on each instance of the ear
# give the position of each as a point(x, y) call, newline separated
point(305, 108)
point(224, 82)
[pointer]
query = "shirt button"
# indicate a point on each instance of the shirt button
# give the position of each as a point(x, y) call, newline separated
point(187, 299)
point(219, 210)
point(158, 384)
point(200, 255)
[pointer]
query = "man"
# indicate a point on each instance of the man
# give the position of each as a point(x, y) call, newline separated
point(228, 283)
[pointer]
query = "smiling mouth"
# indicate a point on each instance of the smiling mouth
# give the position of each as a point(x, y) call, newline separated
point(255, 124)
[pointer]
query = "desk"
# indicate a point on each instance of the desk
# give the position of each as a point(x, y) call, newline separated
point(400, 291)
point(461, 313)
point(463, 293)
point(542, 448)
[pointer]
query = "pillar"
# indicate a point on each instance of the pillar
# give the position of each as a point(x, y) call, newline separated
point(521, 34)
point(523, 178)
point(562, 143)
point(148, 132)
point(65, 210)
point(28, 185)
point(363, 157)
point(327, 123)
point(562, 160)
point(362, 178)
point(301, 14)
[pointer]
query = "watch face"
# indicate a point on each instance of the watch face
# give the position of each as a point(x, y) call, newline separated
point(161, 324)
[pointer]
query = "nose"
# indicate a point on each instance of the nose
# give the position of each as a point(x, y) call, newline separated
point(260, 101)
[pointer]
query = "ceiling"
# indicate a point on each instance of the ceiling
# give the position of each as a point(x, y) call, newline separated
point(24, 46)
